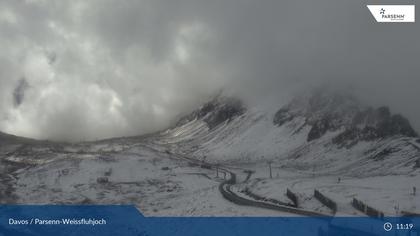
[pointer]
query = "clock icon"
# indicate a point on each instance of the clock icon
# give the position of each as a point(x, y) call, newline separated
point(387, 226)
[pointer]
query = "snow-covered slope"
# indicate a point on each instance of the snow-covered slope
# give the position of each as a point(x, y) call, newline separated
point(321, 132)
point(311, 142)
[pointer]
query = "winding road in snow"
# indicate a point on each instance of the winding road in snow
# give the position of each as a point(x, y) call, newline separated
point(225, 189)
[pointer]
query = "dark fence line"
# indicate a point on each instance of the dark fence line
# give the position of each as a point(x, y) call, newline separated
point(368, 210)
point(293, 197)
point(325, 200)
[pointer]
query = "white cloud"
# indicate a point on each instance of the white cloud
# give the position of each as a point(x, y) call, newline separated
point(107, 68)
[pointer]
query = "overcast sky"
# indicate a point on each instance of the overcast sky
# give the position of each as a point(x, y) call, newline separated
point(78, 70)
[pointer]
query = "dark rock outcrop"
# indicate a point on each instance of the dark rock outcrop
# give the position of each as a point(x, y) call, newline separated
point(319, 128)
point(216, 112)
point(282, 116)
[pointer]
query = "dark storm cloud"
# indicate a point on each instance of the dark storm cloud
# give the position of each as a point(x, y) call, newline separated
point(109, 68)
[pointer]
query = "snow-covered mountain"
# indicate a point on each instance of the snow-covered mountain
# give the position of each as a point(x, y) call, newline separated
point(320, 131)
point(309, 141)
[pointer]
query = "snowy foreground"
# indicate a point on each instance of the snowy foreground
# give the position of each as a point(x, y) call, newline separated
point(164, 184)
point(390, 194)
point(343, 151)
point(157, 182)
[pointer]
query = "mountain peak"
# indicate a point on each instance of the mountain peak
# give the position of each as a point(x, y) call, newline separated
point(330, 111)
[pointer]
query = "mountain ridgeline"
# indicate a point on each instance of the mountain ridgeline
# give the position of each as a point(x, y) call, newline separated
point(12, 139)
point(326, 112)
